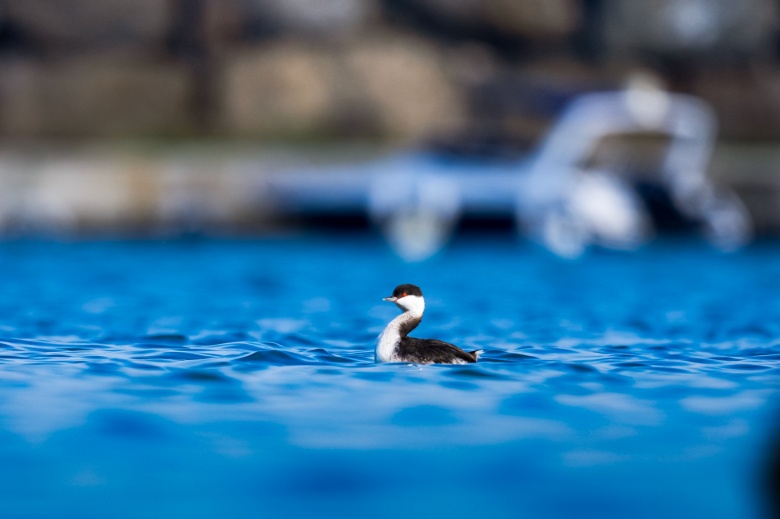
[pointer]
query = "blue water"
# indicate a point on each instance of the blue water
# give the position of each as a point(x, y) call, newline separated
point(210, 379)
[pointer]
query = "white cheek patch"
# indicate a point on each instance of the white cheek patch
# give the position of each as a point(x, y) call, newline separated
point(413, 304)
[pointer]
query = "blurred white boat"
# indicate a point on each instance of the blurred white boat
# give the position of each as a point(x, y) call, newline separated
point(417, 198)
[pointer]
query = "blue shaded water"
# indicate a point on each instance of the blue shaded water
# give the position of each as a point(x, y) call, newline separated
point(236, 379)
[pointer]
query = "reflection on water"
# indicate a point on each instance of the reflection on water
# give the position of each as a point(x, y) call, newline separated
point(209, 378)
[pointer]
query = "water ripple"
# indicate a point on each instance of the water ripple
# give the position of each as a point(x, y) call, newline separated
point(233, 374)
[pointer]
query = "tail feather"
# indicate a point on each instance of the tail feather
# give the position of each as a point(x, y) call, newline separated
point(476, 354)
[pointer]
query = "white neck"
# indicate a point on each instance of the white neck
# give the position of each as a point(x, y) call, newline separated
point(388, 340)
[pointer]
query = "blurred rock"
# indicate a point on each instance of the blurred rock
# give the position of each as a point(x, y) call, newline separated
point(534, 18)
point(280, 89)
point(405, 84)
point(55, 26)
point(405, 69)
point(93, 97)
point(390, 86)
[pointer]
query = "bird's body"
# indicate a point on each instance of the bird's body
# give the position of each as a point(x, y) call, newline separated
point(395, 345)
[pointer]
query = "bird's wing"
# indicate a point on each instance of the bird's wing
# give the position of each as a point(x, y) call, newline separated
point(434, 351)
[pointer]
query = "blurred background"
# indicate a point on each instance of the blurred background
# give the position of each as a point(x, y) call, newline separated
point(169, 117)
point(570, 123)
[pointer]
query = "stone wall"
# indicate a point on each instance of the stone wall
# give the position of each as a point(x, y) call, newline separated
point(378, 69)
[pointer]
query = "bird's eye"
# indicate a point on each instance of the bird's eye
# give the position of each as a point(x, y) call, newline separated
point(403, 295)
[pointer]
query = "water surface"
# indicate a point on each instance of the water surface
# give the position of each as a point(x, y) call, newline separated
point(236, 378)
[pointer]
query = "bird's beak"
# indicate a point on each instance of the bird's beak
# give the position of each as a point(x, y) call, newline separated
point(391, 299)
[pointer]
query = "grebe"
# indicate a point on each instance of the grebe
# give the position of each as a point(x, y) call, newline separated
point(394, 344)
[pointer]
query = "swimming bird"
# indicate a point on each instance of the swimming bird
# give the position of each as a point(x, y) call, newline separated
point(395, 345)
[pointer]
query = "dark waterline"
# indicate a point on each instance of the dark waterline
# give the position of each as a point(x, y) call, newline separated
point(211, 378)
